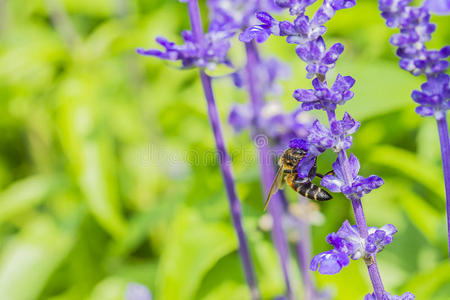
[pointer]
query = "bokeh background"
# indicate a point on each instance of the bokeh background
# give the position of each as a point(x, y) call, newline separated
point(103, 175)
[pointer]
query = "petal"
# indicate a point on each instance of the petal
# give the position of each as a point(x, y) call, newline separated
point(332, 183)
point(304, 95)
point(305, 165)
point(425, 111)
point(354, 165)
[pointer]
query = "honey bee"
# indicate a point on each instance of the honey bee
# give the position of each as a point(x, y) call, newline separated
point(287, 172)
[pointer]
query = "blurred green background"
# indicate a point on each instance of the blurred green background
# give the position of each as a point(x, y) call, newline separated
point(101, 182)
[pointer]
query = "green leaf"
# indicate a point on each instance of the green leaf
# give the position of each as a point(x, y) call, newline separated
point(425, 284)
point(24, 194)
point(408, 164)
point(29, 259)
point(193, 247)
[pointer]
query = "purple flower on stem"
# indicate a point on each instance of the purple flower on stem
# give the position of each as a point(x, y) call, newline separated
point(136, 291)
point(388, 296)
point(302, 30)
point(235, 14)
point(358, 185)
point(329, 262)
point(415, 30)
point(348, 242)
point(212, 51)
point(268, 72)
point(321, 97)
point(318, 59)
point(296, 7)
point(205, 50)
point(438, 7)
point(434, 99)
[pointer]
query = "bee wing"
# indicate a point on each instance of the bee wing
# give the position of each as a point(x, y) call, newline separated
point(276, 185)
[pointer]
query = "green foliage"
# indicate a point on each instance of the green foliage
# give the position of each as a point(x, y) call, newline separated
point(107, 171)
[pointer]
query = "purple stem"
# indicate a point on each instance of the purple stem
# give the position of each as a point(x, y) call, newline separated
point(266, 167)
point(372, 265)
point(224, 159)
point(303, 248)
point(445, 153)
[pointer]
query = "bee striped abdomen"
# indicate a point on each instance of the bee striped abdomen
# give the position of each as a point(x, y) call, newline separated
point(311, 191)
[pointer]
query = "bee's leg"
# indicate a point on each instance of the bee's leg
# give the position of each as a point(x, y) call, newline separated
point(288, 171)
point(328, 173)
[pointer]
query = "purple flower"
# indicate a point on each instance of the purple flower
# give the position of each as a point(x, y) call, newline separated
point(321, 97)
point(235, 14)
point(261, 32)
point(240, 117)
point(388, 296)
point(347, 243)
point(136, 291)
point(329, 262)
point(438, 7)
point(299, 144)
point(391, 10)
point(415, 31)
point(207, 54)
point(296, 7)
point(379, 238)
point(347, 240)
point(434, 99)
point(302, 30)
point(358, 185)
point(318, 59)
point(267, 71)
point(428, 62)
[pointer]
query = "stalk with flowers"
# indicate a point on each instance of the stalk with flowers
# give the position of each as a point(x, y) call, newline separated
point(206, 51)
point(434, 98)
point(349, 241)
point(270, 126)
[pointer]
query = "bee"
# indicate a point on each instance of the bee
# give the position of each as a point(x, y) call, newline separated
point(287, 172)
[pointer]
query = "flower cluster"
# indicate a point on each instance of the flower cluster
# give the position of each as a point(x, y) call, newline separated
point(268, 71)
point(358, 185)
point(306, 33)
point(212, 50)
point(415, 31)
point(235, 14)
point(388, 296)
point(434, 99)
point(322, 97)
point(348, 243)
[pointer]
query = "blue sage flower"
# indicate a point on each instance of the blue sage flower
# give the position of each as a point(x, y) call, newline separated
point(329, 262)
point(296, 7)
point(136, 291)
point(319, 60)
point(434, 99)
point(302, 30)
point(415, 31)
point(438, 7)
point(269, 72)
point(388, 296)
point(236, 14)
point(348, 243)
point(322, 97)
point(358, 185)
point(212, 51)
